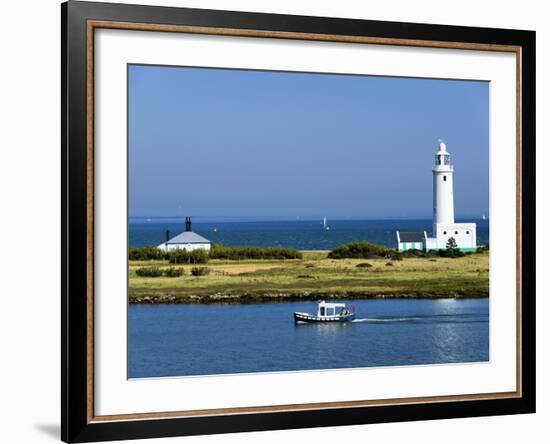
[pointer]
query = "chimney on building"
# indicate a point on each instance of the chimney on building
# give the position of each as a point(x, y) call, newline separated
point(188, 224)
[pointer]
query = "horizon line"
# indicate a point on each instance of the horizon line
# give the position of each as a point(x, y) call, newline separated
point(308, 218)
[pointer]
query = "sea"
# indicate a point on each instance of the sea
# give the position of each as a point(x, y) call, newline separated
point(220, 339)
point(299, 234)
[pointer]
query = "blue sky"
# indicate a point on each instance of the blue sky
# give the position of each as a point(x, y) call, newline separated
point(220, 143)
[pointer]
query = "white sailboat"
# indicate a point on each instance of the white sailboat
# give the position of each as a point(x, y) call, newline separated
point(325, 226)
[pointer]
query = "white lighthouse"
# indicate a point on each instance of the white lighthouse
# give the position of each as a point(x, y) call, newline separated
point(444, 226)
point(443, 211)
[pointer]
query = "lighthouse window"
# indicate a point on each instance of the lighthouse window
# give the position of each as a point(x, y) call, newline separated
point(456, 232)
point(444, 232)
point(467, 232)
point(444, 178)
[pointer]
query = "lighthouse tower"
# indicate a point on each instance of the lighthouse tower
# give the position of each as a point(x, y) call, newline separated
point(443, 210)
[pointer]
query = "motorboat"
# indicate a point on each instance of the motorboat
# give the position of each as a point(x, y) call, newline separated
point(327, 312)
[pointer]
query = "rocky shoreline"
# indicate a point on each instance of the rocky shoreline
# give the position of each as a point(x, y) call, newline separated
point(252, 298)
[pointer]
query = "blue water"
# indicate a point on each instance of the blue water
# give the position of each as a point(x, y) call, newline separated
point(302, 235)
point(180, 340)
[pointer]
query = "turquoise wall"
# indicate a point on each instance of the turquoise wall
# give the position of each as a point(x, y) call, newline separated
point(464, 250)
point(404, 246)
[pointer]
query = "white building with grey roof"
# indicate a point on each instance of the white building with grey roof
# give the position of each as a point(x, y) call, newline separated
point(188, 240)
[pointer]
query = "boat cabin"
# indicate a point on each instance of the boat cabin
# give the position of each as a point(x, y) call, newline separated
point(330, 309)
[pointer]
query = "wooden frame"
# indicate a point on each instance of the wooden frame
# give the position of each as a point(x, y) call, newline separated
point(79, 21)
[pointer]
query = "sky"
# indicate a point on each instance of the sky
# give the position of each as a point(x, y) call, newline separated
point(221, 143)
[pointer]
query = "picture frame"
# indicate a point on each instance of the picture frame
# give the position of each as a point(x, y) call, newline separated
point(80, 21)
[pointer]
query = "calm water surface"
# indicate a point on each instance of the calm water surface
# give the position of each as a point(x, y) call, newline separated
point(179, 340)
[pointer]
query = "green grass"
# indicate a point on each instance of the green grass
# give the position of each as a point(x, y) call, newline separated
point(315, 276)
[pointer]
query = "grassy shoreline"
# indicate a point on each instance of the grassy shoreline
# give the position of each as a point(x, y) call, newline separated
point(314, 277)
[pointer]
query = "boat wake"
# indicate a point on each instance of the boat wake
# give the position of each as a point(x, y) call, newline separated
point(377, 320)
point(446, 319)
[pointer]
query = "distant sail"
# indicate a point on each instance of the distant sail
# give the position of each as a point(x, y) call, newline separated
point(484, 217)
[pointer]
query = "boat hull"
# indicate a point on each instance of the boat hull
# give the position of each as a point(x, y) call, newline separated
point(306, 317)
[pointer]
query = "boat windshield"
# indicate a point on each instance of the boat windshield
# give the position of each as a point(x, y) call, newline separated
point(333, 310)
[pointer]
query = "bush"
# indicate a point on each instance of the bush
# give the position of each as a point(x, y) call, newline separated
point(200, 271)
point(450, 253)
point(144, 253)
point(173, 272)
point(389, 264)
point(181, 256)
point(242, 253)
point(414, 253)
point(359, 250)
point(364, 265)
point(149, 272)
point(452, 249)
